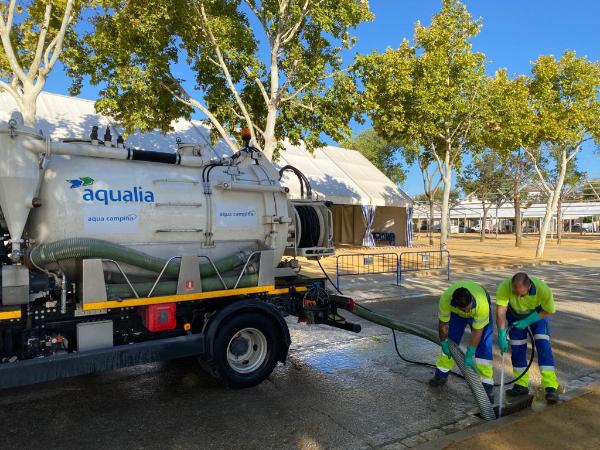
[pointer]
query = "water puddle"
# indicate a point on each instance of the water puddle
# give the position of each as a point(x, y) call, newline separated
point(332, 361)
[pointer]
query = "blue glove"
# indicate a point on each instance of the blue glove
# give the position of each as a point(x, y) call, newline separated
point(446, 348)
point(524, 323)
point(502, 342)
point(469, 358)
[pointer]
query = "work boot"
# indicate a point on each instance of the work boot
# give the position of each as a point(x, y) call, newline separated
point(517, 391)
point(551, 396)
point(489, 390)
point(437, 381)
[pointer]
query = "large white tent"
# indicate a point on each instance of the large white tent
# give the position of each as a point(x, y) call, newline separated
point(351, 182)
point(60, 117)
point(326, 178)
point(344, 177)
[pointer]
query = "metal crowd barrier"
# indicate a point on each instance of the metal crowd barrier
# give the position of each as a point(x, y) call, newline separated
point(378, 263)
point(422, 261)
point(366, 264)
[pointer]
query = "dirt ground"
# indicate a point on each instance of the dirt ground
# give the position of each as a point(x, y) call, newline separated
point(468, 253)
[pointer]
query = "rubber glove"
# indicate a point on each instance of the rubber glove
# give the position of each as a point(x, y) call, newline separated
point(502, 341)
point(446, 348)
point(524, 323)
point(469, 358)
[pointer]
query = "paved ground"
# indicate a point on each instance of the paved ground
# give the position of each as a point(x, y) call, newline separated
point(338, 390)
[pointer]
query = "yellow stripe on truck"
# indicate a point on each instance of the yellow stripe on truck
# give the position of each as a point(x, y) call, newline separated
point(112, 304)
point(5, 315)
point(287, 290)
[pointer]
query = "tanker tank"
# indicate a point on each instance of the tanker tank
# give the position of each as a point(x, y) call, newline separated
point(160, 205)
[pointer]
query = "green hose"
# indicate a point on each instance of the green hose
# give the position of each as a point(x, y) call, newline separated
point(82, 248)
point(472, 377)
point(120, 291)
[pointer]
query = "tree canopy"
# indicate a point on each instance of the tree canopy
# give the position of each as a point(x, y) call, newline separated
point(565, 100)
point(273, 67)
point(33, 36)
point(430, 93)
point(384, 154)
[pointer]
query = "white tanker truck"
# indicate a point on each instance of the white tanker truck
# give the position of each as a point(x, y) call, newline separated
point(115, 256)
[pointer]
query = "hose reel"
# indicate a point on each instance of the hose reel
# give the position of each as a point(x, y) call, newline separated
point(311, 232)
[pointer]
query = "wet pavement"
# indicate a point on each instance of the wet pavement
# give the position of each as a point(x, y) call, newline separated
point(337, 390)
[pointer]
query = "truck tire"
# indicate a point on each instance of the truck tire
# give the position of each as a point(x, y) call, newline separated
point(246, 350)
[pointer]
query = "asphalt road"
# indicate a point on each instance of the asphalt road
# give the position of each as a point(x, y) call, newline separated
point(337, 390)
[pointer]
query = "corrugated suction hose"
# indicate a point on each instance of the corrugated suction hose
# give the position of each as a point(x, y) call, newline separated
point(170, 287)
point(82, 248)
point(472, 377)
point(473, 380)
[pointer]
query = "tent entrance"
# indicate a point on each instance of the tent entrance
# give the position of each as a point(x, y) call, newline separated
point(349, 227)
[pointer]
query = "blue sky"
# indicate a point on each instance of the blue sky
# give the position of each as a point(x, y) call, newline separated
point(515, 32)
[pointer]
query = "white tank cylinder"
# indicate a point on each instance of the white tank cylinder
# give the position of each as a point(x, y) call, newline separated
point(19, 176)
point(162, 209)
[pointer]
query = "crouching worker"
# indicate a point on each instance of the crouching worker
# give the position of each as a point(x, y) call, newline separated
point(527, 302)
point(466, 303)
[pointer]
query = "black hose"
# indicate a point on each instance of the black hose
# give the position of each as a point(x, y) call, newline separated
point(422, 363)
point(327, 276)
point(310, 226)
point(301, 178)
point(210, 167)
point(158, 157)
point(514, 380)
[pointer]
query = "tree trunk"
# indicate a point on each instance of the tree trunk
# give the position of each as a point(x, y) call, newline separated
point(559, 224)
point(28, 106)
point(270, 139)
point(483, 222)
point(551, 204)
point(430, 224)
point(273, 104)
point(518, 223)
point(445, 213)
point(497, 222)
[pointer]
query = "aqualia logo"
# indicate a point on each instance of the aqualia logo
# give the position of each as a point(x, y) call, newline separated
point(78, 182)
point(135, 194)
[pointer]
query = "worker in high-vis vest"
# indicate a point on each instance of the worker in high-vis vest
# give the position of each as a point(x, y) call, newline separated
point(525, 302)
point(466, 303)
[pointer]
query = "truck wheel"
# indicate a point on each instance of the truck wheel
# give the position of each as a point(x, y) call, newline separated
point(246, 350)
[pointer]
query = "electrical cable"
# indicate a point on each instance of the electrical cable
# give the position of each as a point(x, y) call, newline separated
point(327, 276)
point(422, 363)
point(210, 167)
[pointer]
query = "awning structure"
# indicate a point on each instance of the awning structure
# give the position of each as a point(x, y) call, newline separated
point(472, 210)
point(343, 176)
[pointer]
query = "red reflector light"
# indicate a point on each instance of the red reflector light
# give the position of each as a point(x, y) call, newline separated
point(159, 317)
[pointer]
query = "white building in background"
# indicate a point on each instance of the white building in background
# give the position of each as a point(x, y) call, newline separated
point(467, 215)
